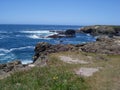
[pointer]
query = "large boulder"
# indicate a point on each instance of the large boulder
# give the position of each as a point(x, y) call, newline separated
point(70, 33)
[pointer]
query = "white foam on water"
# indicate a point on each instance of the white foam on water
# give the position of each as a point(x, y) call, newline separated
point(4, 50)
point(88, 35)
point(27, 61)
point(21, 48)
point(50, 34)
point(36, 31)
point(6, 54)
point(7, 57)
point(1, 54)
point(12, 49)
point(34, 36)
point(38, 34)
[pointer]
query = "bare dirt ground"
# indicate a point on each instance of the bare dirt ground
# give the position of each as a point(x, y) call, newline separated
point(72, 60)
point(82, 71)
point(86, 71)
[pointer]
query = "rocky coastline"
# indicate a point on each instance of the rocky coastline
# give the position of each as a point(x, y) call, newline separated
point(108, 42)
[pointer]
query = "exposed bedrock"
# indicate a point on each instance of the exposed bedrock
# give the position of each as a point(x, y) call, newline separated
point(103, 45)
point(10, 67)
point(44, 48)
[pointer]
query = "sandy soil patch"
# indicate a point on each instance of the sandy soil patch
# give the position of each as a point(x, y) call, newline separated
point(72, 61)
point(87, 72)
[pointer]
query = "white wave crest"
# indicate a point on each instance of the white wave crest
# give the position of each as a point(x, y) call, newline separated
point(34, 36)
point(1, 54)
point(27, 61)
point(37, 31)
point(21, 48)
point(88, 35)
point(38, 36)
point(2, 50)
point(7, 57)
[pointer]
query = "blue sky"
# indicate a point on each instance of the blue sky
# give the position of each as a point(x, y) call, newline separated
point(68, 12)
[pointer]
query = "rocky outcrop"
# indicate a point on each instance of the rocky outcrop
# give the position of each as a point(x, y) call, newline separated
point(101, 30)
point(11, 67)
point(103, 45)
point(43, 48)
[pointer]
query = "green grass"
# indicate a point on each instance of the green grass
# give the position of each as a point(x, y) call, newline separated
point(108, 78)
point(55, 76)
point(58, 75)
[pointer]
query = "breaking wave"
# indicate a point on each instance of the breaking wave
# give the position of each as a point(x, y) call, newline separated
point(13, 49)
point(27, 61)
point(34, 32)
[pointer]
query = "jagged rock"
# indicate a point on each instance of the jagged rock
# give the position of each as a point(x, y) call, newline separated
point(10, 66)
point(43, 49)
point(2, 66)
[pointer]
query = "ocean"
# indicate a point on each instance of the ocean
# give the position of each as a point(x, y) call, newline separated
point(17, 42)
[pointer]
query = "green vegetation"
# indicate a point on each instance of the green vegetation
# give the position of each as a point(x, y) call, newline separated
point(58, 75)
point(55, 76)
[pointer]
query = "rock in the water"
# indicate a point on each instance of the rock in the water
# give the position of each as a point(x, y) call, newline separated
point(56, 36)
point(62, 34)
point(70, 33)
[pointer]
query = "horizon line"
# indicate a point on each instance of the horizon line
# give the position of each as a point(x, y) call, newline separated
point(63, 24)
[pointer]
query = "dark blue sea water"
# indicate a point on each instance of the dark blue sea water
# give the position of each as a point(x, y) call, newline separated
point(17, 42)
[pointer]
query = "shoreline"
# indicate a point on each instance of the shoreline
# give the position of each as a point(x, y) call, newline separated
point(43, 49)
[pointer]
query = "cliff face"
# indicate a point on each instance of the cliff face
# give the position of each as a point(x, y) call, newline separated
point(101, 30)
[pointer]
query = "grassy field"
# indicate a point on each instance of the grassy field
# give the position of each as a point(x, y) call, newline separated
point(58, 75)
